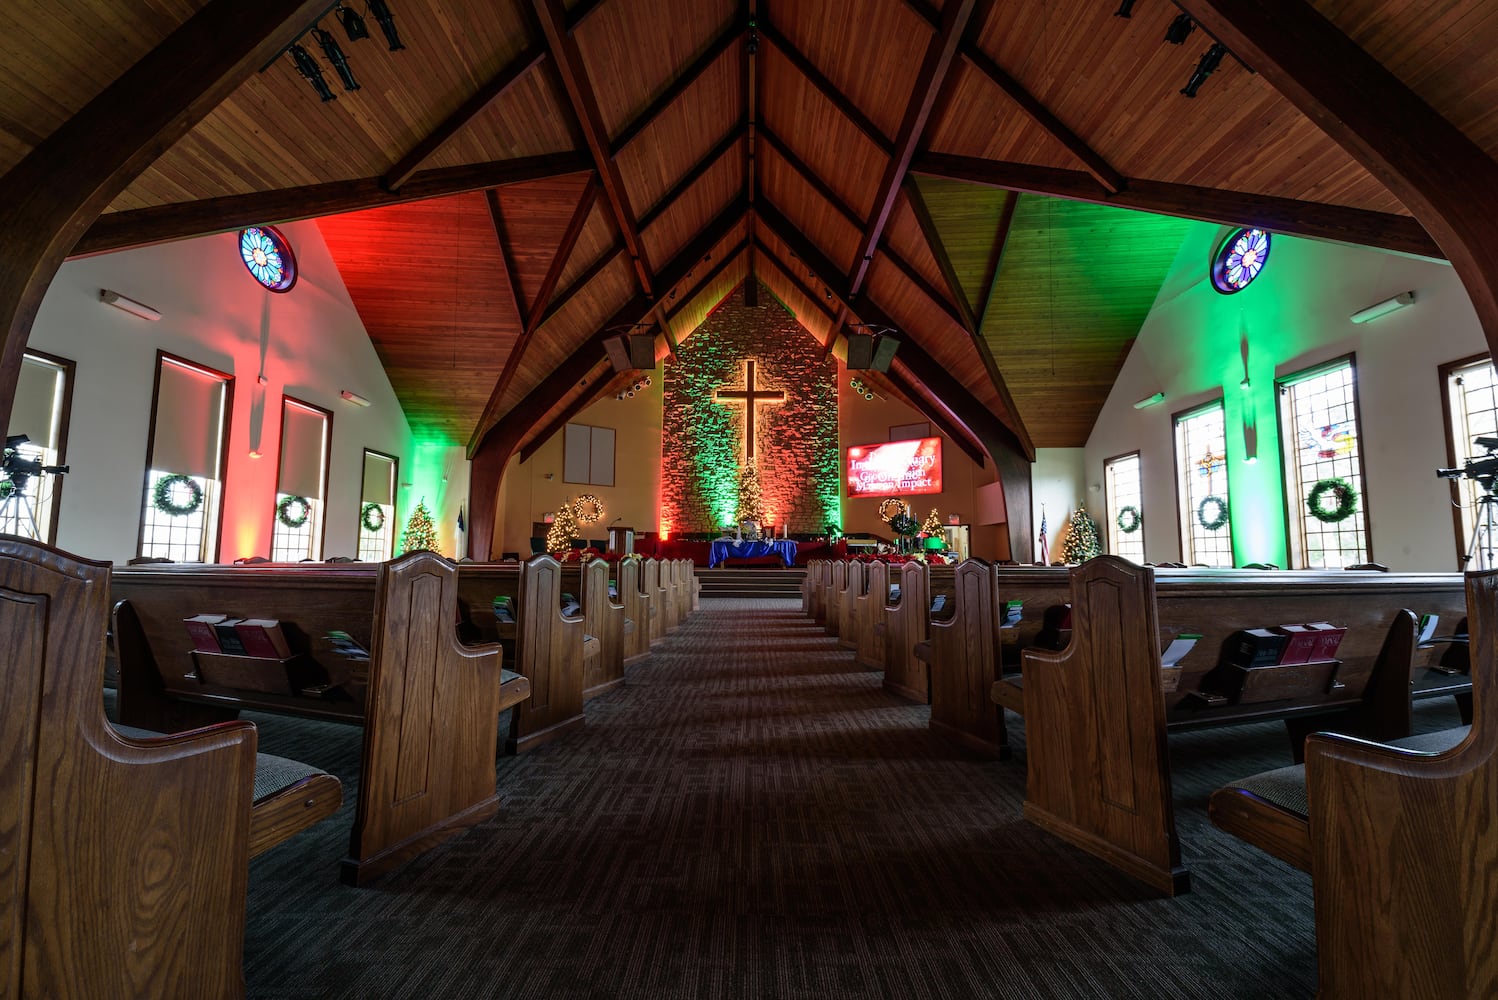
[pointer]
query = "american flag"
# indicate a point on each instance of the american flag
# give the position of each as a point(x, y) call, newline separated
point(1043, 551)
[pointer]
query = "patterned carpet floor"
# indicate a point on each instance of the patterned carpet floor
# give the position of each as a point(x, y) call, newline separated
point(750, 815)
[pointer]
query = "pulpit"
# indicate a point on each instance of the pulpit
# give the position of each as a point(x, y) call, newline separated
point(622, 540)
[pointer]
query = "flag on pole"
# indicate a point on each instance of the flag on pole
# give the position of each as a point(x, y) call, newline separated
point(460, 518)
point(1044, 549)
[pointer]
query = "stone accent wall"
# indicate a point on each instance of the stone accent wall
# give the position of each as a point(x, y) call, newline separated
point(702, 440)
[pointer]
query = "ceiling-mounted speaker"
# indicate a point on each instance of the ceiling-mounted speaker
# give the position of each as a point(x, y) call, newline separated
point(884, 353)
point(618, 352)
point(860, 351)
point(642, 350)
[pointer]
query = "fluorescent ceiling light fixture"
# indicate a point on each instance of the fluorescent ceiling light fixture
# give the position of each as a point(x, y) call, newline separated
point(1158, 397)
point(1384, 308)
point(353, 397)
point(129, 305)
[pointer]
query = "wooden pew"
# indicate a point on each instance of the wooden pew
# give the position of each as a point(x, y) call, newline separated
point(1399, 841)
point(964, 662)
point(855, 583)
point(124, 860)
point(814, 589)
point(906, 621)
point(1096, 713)
point(870, 617)
point(672, 588)
point(428, 704)
point(837, 581)
point(628, 582)
point(650, 584)
point(605, 620)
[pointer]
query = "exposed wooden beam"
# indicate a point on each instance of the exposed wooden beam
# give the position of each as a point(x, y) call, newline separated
point(581, 281)
point(1435, 170)
point(679, 86)
point(828, 89)
point(996, 256)
point(940, 53)
point(49, 199)
point(921, 399)
point(480, 99)
point(1281, 215)
point(581, 11)
point(750, 84)
point(563, 255)
point(692, 176)
point(186, 220)
point(512, 283)
point(568, 60)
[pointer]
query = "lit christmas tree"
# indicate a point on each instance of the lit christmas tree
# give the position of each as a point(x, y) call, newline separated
point(420, 533)
point(1081, 541)
point(932, 525)
point(751, 500)
point(559, 536)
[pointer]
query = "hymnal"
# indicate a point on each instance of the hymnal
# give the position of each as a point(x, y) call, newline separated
point(1328, 638)
point(1256, 647)
point(1301, 645)
point(263, 637)
point(228, 637)
point(200, 630)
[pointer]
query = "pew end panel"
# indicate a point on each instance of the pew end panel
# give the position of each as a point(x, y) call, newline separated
point(855, 585)
point(1098, 764)
point(549, 653)
point(965, 664)
point(871, 604)
point(636, 609)
point(905, 627)
point(604, 620)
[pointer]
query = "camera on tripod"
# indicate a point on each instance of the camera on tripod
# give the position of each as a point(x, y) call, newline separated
point(1482, 470)
point(17, 469)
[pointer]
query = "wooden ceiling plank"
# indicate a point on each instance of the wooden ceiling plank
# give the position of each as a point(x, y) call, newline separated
point(580, 12)
point(1429, 164)
point(750, 84)
point(563, 255)
point(692, 176)
point(828, 89)
point(940, 54)
point(1000, 241)
point(49, 198)
point(1398, 233)
point(186, 220)
point(1101, 171)
point(598, 267)
point(491, 91)
point(679, 86)
point(568, 60)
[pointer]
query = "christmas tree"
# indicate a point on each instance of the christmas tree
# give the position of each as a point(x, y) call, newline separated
point(559, 536)
point(1081, 541)
point(932, 526)
point(420, 533)
point(751, 501)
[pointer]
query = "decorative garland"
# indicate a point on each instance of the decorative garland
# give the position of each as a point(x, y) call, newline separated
point(890, 508)
point(287, 505)
point(1342, 491)
point(372, 516)
point(588, 509)
point(161, 496)
point(1129, 519)
point(1216, 521)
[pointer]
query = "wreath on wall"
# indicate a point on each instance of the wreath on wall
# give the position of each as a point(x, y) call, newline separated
point(293, 511)
point(890, 508)
point(161, 495)
point(372, 516)
point(587, 508)
point(1215, 520)
point(1341, 490)
point(1129, 519)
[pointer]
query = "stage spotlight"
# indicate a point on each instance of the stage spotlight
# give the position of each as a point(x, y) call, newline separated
point(1179, 29)
point(647, 379)
point(311, 72)
point(353, 24)
point(381, 13)
point(329, 46)
point(1211, 59)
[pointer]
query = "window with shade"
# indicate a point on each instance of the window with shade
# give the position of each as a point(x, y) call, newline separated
point(35, 445)
point(301, 484)
point(1324, 466)
point(185, 461)
point(1471, 398)
point(1202, 478)
point(377, 507)
point(1125, 503)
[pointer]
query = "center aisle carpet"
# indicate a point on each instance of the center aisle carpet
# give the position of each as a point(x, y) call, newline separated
point(751, 815)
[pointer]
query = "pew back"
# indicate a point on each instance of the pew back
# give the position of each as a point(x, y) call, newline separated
point(870, 617)
point(905, 626)
point(636, 608)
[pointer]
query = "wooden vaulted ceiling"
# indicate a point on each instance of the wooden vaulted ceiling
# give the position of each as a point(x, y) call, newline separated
point(545, 175)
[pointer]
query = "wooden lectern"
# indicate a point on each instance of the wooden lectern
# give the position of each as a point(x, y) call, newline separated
point(622, 540)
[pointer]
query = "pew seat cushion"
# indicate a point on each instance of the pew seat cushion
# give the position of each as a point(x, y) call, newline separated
point(273, 774)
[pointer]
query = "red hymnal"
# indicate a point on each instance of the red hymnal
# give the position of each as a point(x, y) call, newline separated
point(1302, 645)
point(200, 630)
point(1328, 638)
point(263, 637)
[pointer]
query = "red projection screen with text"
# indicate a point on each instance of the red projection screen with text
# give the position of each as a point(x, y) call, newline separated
point(895, 468)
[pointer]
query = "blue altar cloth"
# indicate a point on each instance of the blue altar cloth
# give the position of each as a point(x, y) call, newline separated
point(782, 547)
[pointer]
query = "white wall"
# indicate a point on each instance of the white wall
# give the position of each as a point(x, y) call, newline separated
point(309, 343)
point(1057, 487)
point(1192, 346)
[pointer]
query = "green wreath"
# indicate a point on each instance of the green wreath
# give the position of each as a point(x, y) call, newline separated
point(161, 496)
point(1212, 523)
point(6, 489)
point(284, 511)
point(1346, 497)
point(372, 516)
point(1129, 519)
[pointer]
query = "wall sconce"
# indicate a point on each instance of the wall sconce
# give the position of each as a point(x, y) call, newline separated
point(131, 306)
point(353, 397)
point(1383, 308)
point(1148, 401)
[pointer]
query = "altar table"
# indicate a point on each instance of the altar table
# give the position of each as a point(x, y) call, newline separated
point(782, 547)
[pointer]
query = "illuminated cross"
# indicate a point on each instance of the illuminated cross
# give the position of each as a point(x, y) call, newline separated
point(749, 396)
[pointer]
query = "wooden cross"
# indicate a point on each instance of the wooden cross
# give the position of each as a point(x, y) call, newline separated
point(749, 396)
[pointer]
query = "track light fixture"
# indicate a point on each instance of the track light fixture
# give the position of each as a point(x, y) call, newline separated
point(640, 385)
point(1179, 29)
point(381, 13)
point(1210, 60)
point(861, 387)
point(353, 24)
point(311, 72)
point(334, 54)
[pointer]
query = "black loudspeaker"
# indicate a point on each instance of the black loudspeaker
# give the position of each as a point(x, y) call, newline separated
point(884, 353)
point(618, 353)
point(642, 350)
point(860, 351)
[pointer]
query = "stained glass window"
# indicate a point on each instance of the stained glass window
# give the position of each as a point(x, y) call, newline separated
point(269, 258)
point(1239, 261)
point(1202, 475)
point(1319, 424)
